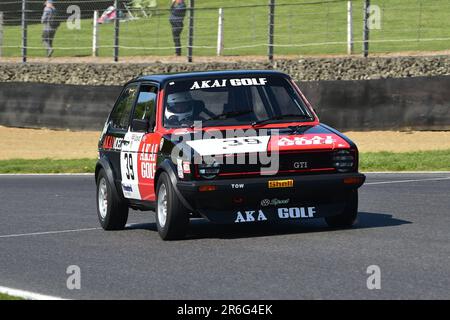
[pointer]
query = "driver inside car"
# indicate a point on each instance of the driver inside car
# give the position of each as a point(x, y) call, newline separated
point(180, 108)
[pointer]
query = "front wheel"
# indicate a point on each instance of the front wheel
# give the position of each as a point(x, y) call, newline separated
point(171, 216)
point(348, 216)
point(112, 212)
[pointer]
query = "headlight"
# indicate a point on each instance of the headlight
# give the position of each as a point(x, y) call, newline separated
point(208, 171)
point(343, 161)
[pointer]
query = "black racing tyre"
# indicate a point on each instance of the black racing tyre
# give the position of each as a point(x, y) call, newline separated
point(172, 217)
point(112, 212)
point(348, 217)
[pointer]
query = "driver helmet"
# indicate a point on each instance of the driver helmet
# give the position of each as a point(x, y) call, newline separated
point(179, 106)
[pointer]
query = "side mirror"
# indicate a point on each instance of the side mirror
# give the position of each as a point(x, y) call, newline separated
point(139, 125)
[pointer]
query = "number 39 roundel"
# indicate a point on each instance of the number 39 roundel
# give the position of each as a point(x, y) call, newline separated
point(129, 165)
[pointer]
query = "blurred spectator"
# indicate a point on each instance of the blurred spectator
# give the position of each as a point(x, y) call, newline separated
point(177, 13)
point(50, 23)
point(108, 15)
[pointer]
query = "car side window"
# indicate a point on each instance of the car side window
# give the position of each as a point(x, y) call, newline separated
point(120, 117)
point(146, 103)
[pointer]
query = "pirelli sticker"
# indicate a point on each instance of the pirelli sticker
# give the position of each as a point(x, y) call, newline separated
point(272, 184)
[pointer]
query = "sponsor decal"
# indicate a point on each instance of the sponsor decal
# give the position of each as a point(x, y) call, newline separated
point(118, 143)
point(308, 141)
point(111, 142)
point(186, 167)
point(221, 83)
point(280, 183)
point(296, 213)
point(180, 168)
point(136, 137)
point(250, 216)
point(108, 142)
point(127, 188)
point(274, 202)
point(148, 152)
point(147, 160)
point(304, 141)
point(237, 186)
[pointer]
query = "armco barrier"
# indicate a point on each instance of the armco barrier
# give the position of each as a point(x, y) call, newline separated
point(421, 103)
point(37, 105)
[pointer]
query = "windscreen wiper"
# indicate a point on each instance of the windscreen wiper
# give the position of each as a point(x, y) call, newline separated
point(281, 116)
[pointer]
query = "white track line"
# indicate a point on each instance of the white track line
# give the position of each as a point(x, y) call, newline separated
point(27, 295)
point(405, 181)
point(406, 172)
point(56, 232)
point(46, 232)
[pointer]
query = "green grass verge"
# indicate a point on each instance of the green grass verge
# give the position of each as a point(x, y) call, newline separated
point(8, 297)
point(47, 166)
point(299, 30)
point(410, 161)
point(370, 161)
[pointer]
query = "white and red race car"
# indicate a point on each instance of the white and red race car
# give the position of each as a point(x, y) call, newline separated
point(229, 146)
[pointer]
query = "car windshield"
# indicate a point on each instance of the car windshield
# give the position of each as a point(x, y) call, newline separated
point(228, 101)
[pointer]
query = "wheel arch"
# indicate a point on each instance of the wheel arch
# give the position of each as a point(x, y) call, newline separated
point(104, 164)
point(168, 167)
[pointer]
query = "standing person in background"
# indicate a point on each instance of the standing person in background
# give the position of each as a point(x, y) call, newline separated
point(50, 25)
point(177, 13)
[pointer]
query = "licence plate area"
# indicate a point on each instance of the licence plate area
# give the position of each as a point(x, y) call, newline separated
point(265, 199)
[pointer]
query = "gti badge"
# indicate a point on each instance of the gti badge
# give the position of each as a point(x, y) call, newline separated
point(301, 165)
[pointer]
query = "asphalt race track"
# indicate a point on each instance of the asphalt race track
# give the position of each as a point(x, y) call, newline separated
point(48, 223)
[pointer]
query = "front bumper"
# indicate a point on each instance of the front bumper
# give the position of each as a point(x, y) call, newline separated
point(240, 200)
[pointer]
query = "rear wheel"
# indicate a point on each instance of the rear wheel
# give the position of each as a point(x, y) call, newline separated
point(171, 216)
point(112, 212)
point(348, 217)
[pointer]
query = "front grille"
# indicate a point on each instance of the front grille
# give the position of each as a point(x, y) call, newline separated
point(290, 163)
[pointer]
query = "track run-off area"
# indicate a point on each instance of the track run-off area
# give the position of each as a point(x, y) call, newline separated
point(48, 223)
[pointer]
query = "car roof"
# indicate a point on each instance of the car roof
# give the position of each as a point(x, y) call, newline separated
point(162, 78)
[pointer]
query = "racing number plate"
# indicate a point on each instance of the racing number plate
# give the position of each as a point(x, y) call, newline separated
point(280, 183)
